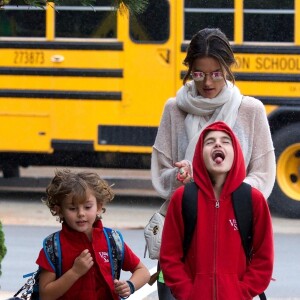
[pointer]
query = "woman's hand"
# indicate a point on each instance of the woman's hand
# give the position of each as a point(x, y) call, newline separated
point(185, 172)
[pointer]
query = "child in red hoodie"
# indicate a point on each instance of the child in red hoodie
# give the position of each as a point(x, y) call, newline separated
point(78, 200)
point(216, 266)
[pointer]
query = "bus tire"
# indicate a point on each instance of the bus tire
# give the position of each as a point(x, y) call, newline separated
point(285, 198)
point(10, 171)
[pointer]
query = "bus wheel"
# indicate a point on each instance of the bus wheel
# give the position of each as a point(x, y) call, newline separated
point(285, 198)
point(9, 171)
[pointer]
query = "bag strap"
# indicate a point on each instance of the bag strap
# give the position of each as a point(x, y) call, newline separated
point(242, 205)
point(164, 207)
point(116, 251)
point(51, 246)
point(243, 210)
point(189, 213)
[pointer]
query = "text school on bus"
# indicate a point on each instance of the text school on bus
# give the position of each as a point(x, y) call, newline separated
point(85, 86)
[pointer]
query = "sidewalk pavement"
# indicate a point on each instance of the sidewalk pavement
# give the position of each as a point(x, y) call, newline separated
point(125, 182)
point(5, 295)
point(46, 171)
point(27, 208)
point(120, 215)
point(34, 212)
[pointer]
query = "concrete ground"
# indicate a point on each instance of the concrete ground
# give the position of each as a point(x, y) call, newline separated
point(27, 209)
point(120, 214)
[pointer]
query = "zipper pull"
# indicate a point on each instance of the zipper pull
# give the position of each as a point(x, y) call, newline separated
point(217, 204)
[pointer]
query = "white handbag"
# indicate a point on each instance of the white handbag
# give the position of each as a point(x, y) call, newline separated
point(153, 232)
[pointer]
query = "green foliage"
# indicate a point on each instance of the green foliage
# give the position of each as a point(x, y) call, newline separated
point(37, 3)
point(4, 2)
point(87, 2)
point(133, 6)
point(2, 246)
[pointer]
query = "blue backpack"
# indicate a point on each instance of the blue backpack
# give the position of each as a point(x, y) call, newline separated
point(51, 246)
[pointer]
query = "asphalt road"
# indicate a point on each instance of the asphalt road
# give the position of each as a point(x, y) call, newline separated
point(27, 221)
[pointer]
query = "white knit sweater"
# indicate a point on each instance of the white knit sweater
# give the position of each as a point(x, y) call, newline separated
point(251, 128)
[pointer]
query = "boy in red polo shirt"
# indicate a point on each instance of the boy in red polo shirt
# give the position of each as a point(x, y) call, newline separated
point(78, 200)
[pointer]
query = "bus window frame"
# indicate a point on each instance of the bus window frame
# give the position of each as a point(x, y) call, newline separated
point(206, 11)
point(148, 42)
point(253, 11)
point(23, 8)
point(84, 8)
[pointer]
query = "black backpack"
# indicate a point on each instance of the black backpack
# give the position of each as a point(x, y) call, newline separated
point(242, 211)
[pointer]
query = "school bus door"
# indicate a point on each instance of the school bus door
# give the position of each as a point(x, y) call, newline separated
point(149, 71)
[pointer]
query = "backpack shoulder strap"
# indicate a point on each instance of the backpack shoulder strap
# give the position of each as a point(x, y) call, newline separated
point(189, 213)
point(52, 249)
point(116, 251)
point(242, 205)
point(51, 246)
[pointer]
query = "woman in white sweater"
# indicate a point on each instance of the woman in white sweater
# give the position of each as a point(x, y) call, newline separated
point(210, 96)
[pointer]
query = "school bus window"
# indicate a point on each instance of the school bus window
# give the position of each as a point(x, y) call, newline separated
point(99, 21)
point(202, 14)
point(209, 4)
point(275, 17)
point(270, 4)
point(20, 21)
point(153, 25)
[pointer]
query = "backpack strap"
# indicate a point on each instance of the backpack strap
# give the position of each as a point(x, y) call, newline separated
point(51, 246)
point(189, 213)
point(115, 244)
point(242, 205)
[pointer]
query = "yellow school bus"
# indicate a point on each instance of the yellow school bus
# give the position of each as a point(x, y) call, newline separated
point(86, 86)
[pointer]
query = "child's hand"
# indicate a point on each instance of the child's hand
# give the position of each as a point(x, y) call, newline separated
point(122, 288)
point(83, 263)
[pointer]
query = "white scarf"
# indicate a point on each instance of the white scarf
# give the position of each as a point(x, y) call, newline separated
point(202, 112)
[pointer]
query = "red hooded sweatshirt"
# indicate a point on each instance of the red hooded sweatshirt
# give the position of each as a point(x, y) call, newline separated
point(216, 266)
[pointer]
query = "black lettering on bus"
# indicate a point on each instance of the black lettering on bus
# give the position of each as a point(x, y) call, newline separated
point(40, 59)
point(29, 57)
point(242, 63)
point(282, 64)
point(259, 63)
point(298, 65)
point(276, 64)
point(16, 57)
point(293, 64)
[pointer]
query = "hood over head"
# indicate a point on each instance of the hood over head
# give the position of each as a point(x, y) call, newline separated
point(235, 176)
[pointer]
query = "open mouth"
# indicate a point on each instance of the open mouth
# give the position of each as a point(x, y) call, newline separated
point(218, 156)
point(81, 222)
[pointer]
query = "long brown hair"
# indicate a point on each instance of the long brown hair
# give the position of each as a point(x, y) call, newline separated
point(211, 42)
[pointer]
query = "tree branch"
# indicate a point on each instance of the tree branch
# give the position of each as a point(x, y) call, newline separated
point(133, 6)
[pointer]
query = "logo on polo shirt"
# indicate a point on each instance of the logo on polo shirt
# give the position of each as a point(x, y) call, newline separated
point(233, 223)
point(104, 256)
